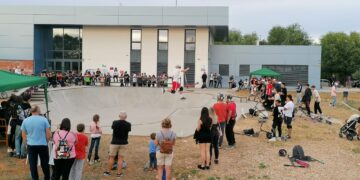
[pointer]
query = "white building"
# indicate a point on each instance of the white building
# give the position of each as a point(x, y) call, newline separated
point(147, 40)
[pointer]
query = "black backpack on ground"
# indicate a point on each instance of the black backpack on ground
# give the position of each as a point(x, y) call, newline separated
point(249, 132)
point(298, 153)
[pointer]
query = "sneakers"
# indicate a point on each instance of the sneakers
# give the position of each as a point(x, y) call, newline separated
point(231, 146)
point(91, 162)
point(272, 139)
point(201, 167)
point(216, 161)
point(120, 175)
point(96, 160)
point(107, 173)
point(278, 138)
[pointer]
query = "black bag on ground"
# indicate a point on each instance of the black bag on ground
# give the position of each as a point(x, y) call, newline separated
point(252, 111)
point(249, 132)
point(298, 153)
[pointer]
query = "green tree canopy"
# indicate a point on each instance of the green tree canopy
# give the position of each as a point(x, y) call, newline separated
point(340, 54)
point(290, 35)
point(237, 38)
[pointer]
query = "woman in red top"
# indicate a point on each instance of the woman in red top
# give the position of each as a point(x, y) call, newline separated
point(80, 149)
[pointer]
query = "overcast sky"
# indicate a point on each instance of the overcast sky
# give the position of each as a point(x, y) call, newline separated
point(315, 16)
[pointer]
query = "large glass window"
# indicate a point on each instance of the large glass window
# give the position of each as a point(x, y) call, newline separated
point(136, 39)
point(58, 66)
point(66, 43)
point(190, 39)
point(50, 65)
point(71, 39)
point(163, 39)
point(58, 39)
point(67, 66)
point(75, 66)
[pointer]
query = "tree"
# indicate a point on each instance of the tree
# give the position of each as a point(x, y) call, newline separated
point(236, 38)
point(340, 54)
point(290, 35)
point(250, 39)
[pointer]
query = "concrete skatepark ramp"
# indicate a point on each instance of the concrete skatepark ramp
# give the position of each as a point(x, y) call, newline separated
point(146, 107)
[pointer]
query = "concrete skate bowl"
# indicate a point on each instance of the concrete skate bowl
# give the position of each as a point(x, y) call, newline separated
point(146, 108)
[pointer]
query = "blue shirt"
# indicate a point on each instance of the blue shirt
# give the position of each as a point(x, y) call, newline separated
point(35, 129)
point(152, 147)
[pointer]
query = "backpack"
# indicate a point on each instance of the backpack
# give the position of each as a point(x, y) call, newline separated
point(63, 150)
point(166, 147)
point(22, 114)
point(298, 153)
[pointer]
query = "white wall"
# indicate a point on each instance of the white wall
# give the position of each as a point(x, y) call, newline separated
point(176, 48)
point(149, 51)
point(201, 53)
point(105, 45)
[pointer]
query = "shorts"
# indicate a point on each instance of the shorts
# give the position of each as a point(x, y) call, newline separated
point(175, 85)
point(288, 121)
point(119, 150)
point(164, 159)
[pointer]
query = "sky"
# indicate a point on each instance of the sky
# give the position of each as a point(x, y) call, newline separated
point(316, 17)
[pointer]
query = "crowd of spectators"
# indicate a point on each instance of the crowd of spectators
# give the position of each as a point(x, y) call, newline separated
point(102, 78)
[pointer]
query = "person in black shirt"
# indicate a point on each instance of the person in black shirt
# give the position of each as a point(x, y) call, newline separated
point(127, 79)
point(298, 92)
point(204, 77)
point(277, 122)
point(283, 94)
point(307, 98)
point(121, 129)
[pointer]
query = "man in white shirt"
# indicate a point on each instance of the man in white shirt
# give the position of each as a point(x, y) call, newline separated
point(289, 114)
point(211, 82)
point(317, 100)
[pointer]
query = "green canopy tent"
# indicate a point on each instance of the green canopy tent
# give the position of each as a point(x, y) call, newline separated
point(265, 72)
point(11, 81)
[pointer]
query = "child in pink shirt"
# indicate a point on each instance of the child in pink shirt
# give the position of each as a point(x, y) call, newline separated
point(95, 130)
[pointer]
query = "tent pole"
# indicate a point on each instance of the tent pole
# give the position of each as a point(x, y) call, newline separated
point(47, 102)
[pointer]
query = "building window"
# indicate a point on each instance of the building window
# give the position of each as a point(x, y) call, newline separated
point(162, 54)
point(190, 39)
point(163, 39)
point(244, 70)
point(224, 69)
point(135, 39)
point(66, 44)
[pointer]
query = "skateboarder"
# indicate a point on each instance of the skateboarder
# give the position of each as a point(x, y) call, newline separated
point(176, 81)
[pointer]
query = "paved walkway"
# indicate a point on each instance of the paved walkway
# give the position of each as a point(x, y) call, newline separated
point(146, 107)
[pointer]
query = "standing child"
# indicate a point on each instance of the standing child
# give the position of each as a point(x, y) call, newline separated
point(277, 121)
point(96, 132)
point(80, 149)
point(152, 152)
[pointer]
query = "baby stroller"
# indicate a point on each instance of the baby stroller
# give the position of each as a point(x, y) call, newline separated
point(256, 111)
point(349, 128)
